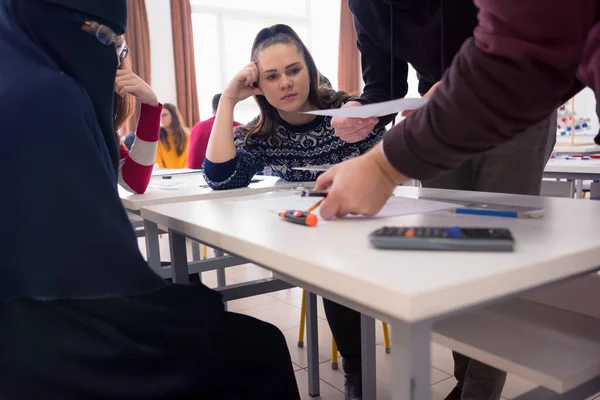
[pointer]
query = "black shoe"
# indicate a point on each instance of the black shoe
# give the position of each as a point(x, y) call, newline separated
point(353, 384)
point(454, 394)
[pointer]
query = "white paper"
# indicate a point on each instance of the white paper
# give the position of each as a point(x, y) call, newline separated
point(375, 109)
point(318, 168)
point(396, 206)
point(168, 184)
point(173, 172)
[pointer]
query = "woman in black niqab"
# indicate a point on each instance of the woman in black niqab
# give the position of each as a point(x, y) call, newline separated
point(82, 316)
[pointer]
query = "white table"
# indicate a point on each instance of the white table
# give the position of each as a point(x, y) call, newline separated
point(412, 290)
point(190, 186)
point(575, 170)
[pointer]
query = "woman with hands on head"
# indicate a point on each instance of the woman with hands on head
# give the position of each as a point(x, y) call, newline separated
point(285, 82)
point(283, 78)
point(135, 166)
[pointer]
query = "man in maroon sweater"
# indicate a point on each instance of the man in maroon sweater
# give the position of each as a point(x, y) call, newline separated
point(200, 135)
point(525, 59)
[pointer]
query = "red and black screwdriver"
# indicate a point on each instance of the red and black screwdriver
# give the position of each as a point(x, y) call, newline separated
point(304, 217)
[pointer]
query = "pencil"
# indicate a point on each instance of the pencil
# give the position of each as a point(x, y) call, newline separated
point(314, 207)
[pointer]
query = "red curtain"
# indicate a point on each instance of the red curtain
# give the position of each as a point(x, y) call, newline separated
point(348, 68)
point(185, 68)
point(138, 41)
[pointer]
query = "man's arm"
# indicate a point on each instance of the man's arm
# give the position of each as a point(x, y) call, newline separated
point(519, 67)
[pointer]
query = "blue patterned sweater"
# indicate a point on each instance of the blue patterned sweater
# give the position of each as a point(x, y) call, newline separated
point(288, 147)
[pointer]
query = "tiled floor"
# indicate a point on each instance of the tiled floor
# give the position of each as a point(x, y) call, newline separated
point(282, 309)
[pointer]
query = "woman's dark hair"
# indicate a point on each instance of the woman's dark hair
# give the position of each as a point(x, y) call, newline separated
point(179, 130)
point(123, 106)
point(320, 96)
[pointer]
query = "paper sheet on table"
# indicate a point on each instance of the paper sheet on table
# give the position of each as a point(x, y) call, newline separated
point(396, 206)
point(317, 168)
point(174, 171)
point(168, 184)
point(374, 110)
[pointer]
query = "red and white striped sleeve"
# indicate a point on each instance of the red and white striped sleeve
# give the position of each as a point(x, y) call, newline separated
point(135, 166)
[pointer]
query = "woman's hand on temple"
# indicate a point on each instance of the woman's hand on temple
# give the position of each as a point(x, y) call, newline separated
point(242, 85)
point(127, 82)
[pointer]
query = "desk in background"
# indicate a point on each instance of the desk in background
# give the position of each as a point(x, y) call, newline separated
point(575, 171)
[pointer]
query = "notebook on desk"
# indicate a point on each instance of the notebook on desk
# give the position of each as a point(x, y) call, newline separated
point(318, 168)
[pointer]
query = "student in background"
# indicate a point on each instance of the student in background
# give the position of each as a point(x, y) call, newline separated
point(136, 161)
point(174, 145)
point(93, 321)
point(200, 135)
point(284, 79)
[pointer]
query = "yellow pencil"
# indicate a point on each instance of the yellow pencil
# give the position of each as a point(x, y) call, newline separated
point(314, 207)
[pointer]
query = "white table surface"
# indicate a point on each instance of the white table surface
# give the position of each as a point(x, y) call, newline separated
point(573, 166)
point(409, 286)
point(190, 187)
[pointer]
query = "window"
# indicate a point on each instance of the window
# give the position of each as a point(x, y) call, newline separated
point(295, 8)
point(225, 29)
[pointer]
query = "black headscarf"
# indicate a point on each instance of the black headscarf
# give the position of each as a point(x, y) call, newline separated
point(52, 23)
point(56, 92)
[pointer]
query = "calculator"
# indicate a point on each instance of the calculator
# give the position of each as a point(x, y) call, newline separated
point(442, 238)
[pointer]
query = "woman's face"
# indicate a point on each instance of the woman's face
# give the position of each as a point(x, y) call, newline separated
point(283, 77)
point(165, 118)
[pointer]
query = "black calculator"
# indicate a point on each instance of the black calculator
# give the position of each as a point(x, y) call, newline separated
point(442, 238)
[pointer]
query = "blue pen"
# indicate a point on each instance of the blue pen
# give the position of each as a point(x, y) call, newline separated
point(497, 213)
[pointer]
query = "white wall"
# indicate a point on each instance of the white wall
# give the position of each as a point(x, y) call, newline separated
point(161, 50)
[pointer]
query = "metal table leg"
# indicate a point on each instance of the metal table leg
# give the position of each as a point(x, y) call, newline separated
point(179, 263)
point(196, 256)
point(152, 247)
point(368, 357)
point(579, 188)
point(221, 279)
point(411, 349)
point(312, 344)
point(195, 251)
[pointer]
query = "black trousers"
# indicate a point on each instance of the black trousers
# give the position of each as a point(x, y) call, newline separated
point(176, 343)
